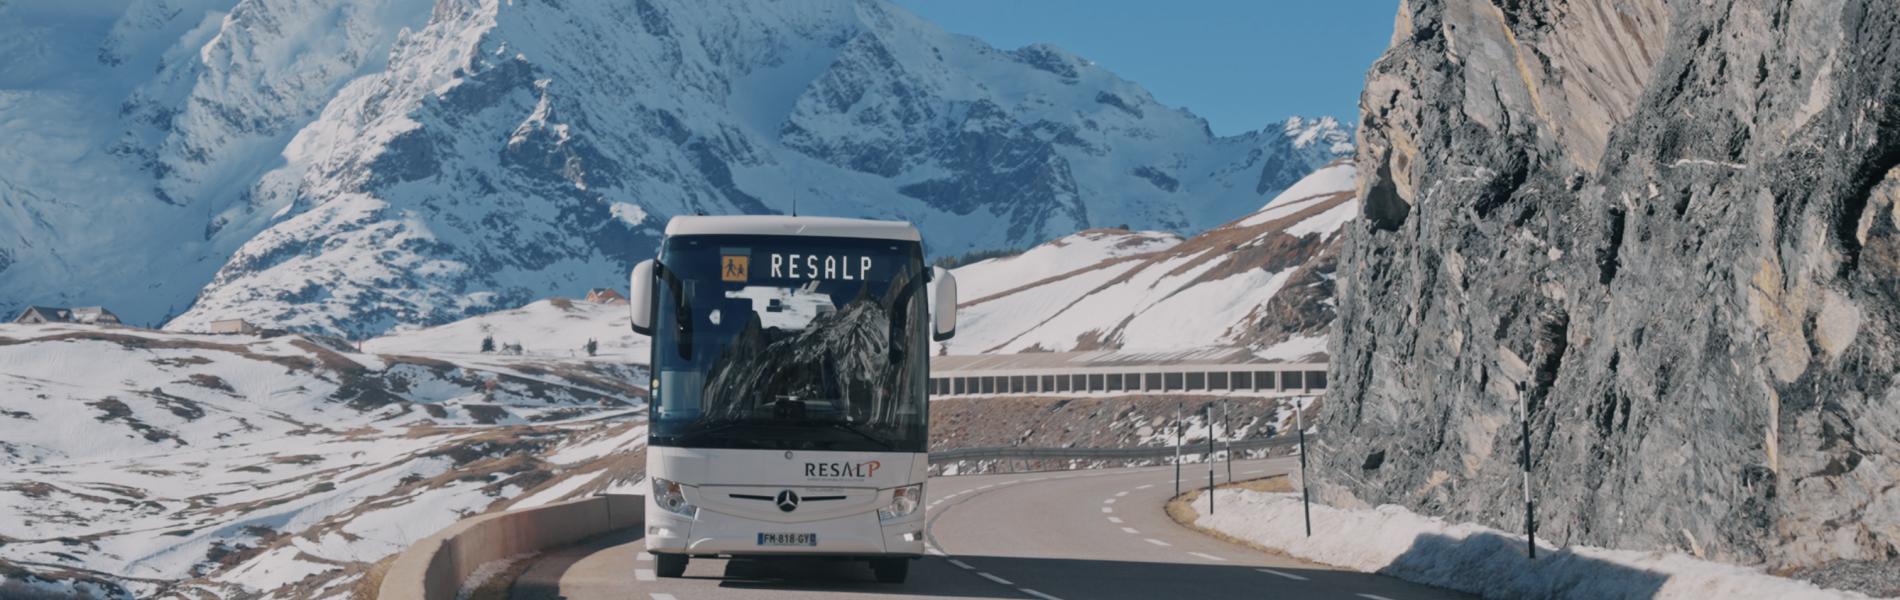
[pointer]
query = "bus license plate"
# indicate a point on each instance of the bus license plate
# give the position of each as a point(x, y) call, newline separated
point(788, 539)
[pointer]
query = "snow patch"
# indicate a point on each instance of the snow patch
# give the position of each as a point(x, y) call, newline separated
point(1479, 560)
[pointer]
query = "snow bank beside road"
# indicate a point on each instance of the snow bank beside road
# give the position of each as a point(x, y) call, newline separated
point(1484, 561)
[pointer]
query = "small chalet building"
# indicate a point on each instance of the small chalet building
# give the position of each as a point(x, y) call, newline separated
point(605, 296)
point(234, 327)
point(40, 315)
point(85, 315)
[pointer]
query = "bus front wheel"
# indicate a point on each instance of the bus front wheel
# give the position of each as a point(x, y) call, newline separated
point(671, 565)
point(891, 570)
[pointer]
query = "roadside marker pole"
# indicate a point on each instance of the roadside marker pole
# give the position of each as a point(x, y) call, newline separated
point(1210, 458)
point(1177, 448)
point(1530, 519)
point(1227, 427)
point(1306, 501)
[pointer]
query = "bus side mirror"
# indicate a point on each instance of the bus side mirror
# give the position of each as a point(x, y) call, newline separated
point(640, 297)
point(943, 306)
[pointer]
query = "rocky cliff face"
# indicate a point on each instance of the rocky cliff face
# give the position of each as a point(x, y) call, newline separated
point(1675, 226)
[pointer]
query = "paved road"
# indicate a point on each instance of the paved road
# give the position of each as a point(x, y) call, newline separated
point(1038, 536)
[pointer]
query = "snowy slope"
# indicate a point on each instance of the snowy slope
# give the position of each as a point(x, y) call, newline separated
point(353, 166)
point(233, 466)
point(1262, 281)
point(987, 277)
point(546, 328)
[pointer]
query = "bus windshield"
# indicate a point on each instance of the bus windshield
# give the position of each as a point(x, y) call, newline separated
point(790, 342)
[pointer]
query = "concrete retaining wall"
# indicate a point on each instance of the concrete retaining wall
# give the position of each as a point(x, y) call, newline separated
point(434, 568)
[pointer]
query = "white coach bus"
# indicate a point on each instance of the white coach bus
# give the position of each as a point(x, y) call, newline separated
point(790, 363)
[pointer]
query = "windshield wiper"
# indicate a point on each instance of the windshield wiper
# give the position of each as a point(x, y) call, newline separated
point(849, 428)
point(716, 427)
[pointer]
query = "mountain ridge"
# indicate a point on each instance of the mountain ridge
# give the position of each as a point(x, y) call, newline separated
point(434, 164)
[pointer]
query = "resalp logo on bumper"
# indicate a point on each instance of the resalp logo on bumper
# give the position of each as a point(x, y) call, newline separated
point(841, 470)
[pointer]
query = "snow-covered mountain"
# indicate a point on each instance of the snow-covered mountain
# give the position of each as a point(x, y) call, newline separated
point(141, 464)
point(1263, 281)
point(352, 166)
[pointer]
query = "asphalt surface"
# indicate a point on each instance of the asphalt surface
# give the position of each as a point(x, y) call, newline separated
point(1041, 536)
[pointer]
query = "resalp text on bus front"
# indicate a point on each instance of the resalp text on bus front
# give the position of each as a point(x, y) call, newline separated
point(790, 361)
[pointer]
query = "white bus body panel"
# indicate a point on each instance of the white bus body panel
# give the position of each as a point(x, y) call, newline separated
point(843, 512)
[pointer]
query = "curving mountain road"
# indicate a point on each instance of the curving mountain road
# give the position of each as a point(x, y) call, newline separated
point(1065, 535)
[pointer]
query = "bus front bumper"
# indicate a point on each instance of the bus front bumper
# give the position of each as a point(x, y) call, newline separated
point(717, 534)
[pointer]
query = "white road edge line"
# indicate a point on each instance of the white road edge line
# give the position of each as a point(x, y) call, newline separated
point(962, 565)
point(933, 552)
point(1037, 594)
point(1130, 530)
point(658, 596)
point(1208, 556)
point(1373, 596)
point(643, 574)
point(1156, 542)
point(994, 578)
point(1282, 574)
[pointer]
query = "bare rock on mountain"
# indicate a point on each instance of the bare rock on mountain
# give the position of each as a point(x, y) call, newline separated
point(1674, 226)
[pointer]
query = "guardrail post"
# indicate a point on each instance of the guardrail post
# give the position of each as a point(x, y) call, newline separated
point(1530, 518)
point(1177, 448)
point(1210, 458)
point(1227, 427)
point(1306, 500)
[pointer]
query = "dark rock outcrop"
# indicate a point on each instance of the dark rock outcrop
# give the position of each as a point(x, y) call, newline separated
point(1675, 227)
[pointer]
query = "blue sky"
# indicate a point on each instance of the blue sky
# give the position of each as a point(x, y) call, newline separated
point(1238, 63)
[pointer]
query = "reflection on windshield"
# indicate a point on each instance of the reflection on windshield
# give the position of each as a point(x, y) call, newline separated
point(754, 360)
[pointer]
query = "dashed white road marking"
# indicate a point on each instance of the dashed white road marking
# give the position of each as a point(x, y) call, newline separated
point(1208, 556)
point(986, 487)
point(1106, 509)
point(933, 551)
point(1120, 494)
point(643, 574)
point(1130, 530)
point(962, 565)
point(1144, 486)
point(1373, 597)
point(1282, 574)
point(1037, 594)
point(1156, 542)
point(658, 596)
point(643, 556)
point(1116, 520)
point(1109, 501)
point(994, 578)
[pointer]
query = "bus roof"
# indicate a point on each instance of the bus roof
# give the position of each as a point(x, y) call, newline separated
point(783, 225)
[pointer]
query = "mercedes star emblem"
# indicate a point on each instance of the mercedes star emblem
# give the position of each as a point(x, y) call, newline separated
point(787, 501)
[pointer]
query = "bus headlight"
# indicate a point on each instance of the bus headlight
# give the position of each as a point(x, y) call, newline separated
point(671, 496)
point(904, 501)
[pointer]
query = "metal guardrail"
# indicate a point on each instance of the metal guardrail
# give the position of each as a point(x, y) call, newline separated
point(1136, 453)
